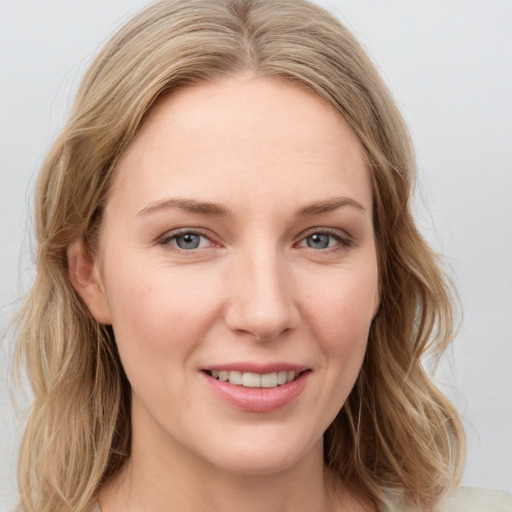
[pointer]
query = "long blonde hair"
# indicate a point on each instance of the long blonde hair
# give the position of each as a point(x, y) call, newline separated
point(397, 438)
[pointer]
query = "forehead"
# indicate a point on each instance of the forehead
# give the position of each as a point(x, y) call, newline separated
point(253, 137)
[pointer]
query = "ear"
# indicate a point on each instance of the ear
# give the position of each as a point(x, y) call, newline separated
point(86, 279)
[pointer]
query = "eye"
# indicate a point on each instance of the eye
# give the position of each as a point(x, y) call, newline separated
point(320, 240)
point(187, 240)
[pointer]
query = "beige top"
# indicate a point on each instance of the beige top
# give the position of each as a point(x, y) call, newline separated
point(473, 499)
point(464, 499)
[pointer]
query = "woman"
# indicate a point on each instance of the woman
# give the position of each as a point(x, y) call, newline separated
point(232, 299)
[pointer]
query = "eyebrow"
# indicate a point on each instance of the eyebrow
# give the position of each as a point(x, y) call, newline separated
point(328, 206)
point(188, 205)
point(205, 208)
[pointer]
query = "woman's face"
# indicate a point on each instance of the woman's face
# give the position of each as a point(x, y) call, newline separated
point(238, 244)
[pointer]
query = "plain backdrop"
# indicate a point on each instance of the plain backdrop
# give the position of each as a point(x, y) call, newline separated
point(449, 66)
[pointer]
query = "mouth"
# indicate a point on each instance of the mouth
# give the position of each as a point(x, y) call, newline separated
point(264, 389)
point(255, 380)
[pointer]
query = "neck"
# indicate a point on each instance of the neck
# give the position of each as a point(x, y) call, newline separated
point(164, 475)
point(149, 485)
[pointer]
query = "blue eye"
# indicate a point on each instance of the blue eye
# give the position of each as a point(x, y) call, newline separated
point(319, 241)
point(187, 240)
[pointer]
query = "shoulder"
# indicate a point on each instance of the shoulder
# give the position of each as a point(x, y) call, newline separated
point(475, 499)
point(471, 499)
point(463, 499)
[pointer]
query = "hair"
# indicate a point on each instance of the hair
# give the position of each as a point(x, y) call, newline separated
point(397, 438)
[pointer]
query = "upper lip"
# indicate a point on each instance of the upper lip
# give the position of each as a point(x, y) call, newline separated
point(252, 367)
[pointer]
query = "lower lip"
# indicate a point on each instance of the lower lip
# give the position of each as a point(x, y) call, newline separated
point(258, 399)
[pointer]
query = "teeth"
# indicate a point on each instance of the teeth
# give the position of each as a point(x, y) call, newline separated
point(235, 378)
point(282, 377)
point(269, 380)
point(254, 380)
point(251, 380)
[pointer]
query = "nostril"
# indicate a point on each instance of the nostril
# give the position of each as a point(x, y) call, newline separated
point(262, 305)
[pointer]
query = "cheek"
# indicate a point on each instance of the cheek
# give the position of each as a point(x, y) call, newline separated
point(340, 314)
point(342, 305)
point(159, 316)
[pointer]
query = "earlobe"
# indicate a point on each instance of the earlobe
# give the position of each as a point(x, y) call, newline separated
point(86, 280)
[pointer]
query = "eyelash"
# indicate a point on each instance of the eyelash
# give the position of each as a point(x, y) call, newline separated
point(344, 240)
point(168, 238)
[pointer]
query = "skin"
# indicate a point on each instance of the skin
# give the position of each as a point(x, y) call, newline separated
point(259, 287)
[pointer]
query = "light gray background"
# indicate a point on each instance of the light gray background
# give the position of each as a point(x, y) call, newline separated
point(449, 65)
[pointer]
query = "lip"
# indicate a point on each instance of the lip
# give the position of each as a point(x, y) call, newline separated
point(252, 367)
point(257, 399)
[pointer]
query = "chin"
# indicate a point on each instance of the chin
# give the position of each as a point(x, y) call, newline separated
point(263, 454)
point(251, 464)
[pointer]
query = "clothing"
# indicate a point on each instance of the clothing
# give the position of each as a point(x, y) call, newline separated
point(464, 499)
point(474, 499)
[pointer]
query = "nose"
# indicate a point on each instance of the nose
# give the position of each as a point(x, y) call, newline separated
point(261, 302)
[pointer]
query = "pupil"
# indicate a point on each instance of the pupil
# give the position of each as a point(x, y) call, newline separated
point(318, 241)
point(188, 241)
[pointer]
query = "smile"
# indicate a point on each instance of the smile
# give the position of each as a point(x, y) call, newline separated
point(265, 388)
point(254, 380)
